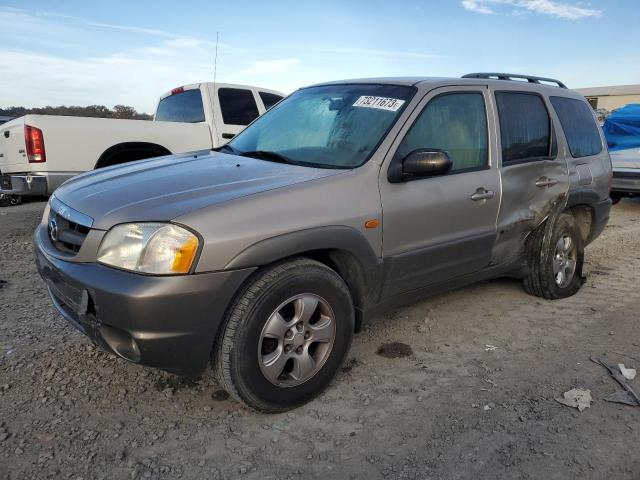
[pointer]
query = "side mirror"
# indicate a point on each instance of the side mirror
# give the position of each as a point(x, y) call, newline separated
point(425, 163)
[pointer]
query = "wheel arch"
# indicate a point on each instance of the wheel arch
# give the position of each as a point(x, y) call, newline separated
point(581, 206)
point(133, 149)
point(343, 249)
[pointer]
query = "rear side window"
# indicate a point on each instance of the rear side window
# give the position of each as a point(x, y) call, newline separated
point(182, 107)
point(525, 128)
point(269, 99)
point(578, 125)
point(238, 106)
point(455, 123)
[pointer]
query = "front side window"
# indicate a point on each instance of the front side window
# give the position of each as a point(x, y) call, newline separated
point(238, 106)
point(332, 126)
point(578, 125)
point(455, 123)
point(184, 107)
point(525, 127)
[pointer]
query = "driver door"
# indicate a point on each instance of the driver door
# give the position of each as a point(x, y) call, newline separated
point(441, 227)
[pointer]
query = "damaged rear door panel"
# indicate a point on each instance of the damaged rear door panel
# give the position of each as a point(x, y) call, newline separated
point(534, 173)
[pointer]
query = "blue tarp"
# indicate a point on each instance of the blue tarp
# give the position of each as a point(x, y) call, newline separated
point(622, 128)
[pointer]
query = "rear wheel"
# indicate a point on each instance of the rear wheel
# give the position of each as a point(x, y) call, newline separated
point(555, 254)
point(285, 336)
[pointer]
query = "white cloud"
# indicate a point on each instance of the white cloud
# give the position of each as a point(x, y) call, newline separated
point(268, 67)
point(353, 52)
point(477, 6)
point(546, 7)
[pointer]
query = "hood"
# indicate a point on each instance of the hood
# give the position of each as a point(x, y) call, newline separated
point(164, 188)
point(629, 158)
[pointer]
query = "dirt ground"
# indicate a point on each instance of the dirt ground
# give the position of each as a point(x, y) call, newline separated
point(452, 409)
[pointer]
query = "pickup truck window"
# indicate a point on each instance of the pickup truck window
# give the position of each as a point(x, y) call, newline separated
point(238, 106)
point(269, 99)
point(183, 107)
point(525, 128)
point(579, 126)
point(455, 123)
point(333, 126)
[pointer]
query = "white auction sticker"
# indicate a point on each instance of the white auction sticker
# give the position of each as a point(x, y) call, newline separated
point(382, 103)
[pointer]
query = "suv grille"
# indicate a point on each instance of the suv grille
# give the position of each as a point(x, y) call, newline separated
point(67, 228)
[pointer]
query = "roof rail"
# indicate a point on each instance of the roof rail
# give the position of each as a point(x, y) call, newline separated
point(515, 77)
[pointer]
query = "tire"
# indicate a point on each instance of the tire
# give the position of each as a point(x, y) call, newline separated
point(244, 350)
point(542, 280)
point(10, 200)
point(615, 198)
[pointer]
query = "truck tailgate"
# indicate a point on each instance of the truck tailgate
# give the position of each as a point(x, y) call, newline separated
point(12, 147)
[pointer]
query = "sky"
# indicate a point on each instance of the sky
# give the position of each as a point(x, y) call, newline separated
point(79, 52)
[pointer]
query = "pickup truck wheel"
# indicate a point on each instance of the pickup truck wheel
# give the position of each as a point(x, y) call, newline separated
point(9, 200)
point(555, 265)
point(285, 336)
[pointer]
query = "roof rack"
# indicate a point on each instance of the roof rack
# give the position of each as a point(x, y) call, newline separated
point(515, 77)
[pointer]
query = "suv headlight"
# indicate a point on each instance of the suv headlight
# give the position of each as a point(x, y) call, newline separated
point(155, 248)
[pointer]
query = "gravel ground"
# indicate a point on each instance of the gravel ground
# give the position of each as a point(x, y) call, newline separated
point(448, 407)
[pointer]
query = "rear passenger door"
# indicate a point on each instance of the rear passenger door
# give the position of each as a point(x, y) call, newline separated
point(533, 169)
point(237, 108)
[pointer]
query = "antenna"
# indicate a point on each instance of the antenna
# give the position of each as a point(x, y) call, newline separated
point(215, 61)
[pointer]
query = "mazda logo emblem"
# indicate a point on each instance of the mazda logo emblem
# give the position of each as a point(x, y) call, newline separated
point(53, 229)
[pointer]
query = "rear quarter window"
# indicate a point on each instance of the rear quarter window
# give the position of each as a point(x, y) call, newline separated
point(525, 127)
point(238, 106)
point(184, 107)
point(269, 99)
point(578, 125)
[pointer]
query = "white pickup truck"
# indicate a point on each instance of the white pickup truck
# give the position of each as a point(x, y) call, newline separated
point(39, 152)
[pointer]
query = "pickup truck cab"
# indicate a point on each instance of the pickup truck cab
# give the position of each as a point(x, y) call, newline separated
point(40, 152)
point(344, 199)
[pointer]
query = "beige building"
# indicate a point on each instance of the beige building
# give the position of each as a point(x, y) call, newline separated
point(610, 98)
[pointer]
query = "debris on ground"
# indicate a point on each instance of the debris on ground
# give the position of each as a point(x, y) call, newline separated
point(626, 397)
point(490, 348)
point(394, 350)
point(3, 283)
point(577, 398)
point(628, 373)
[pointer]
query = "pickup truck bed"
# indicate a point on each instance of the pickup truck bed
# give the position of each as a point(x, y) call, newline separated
point(72, 142)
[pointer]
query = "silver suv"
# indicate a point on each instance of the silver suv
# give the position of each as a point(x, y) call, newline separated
point(346, 198)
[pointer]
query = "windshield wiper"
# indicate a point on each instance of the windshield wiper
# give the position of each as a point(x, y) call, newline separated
point(268, 155)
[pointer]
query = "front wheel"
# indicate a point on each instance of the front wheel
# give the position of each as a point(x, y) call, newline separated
point(555, 254)
point(285, 336)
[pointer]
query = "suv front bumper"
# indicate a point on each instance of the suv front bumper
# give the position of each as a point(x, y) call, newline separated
point(167, 322)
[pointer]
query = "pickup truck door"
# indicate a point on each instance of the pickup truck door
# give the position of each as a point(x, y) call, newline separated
point(234, 109)
point(441, 227)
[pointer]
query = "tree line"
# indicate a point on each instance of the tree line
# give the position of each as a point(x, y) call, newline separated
point(98, 111)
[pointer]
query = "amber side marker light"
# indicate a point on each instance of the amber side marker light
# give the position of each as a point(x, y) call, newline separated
point(185, 256)
point(371, 223)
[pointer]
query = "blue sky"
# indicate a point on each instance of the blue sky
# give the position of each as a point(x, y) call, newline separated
point(110, 52)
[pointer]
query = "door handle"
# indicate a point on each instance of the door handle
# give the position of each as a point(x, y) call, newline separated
point(228, 135)
point(482, 194)
point(546, 182)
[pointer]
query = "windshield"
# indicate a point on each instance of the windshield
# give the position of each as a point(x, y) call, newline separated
point(335, 126)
